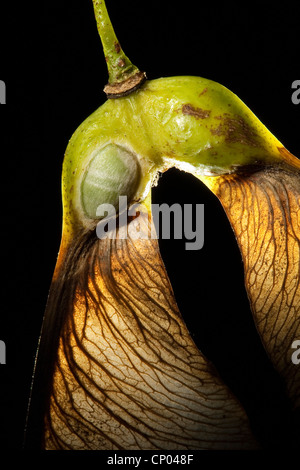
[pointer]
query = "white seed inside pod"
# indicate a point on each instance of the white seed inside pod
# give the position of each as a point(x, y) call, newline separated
point(113, 172)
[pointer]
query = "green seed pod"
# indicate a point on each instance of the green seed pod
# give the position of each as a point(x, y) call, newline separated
point(113, 171)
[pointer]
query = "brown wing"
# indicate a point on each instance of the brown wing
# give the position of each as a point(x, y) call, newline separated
point(124, 372)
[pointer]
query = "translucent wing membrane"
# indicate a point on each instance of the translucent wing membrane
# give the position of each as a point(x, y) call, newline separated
point(264, 210)
point(126, 374)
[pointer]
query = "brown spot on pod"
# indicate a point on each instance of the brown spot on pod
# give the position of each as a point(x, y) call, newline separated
point(198, 113)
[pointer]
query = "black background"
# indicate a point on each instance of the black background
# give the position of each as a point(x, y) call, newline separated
point(54, 70)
